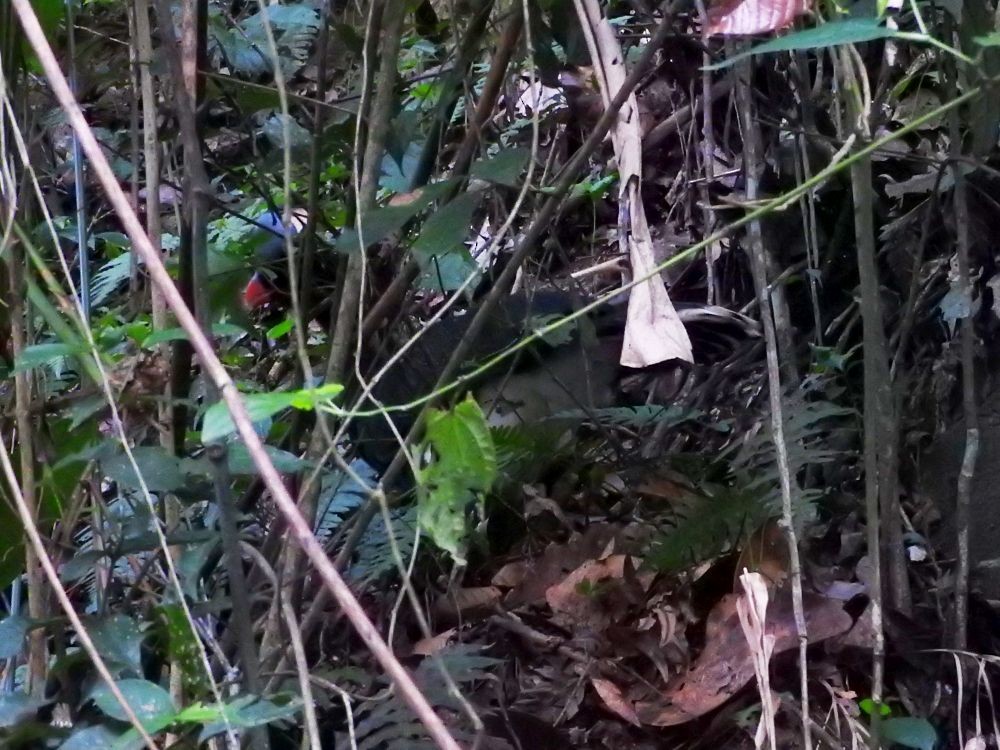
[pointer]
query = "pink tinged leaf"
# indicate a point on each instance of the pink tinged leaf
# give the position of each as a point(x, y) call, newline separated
point(743, 17)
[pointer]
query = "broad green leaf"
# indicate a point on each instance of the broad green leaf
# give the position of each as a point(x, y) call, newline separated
point(847, 31)
point(41, 355)
point(910, 731)
point(119, 640)
point(160, 469)
point(182, 645)
point(504, 169)
point(240, 462)
point(281, 329)
point(247, 712)
point(446, 273)
point(12, 632)
point(147, 700)
point(440, 248)
point(219, 423)
point(464, 466)
point(91, 738)
point(447, 228)
point(379, 223)
point(175, 334)
point(17, 707)
point(988, 40)
point(868, 706)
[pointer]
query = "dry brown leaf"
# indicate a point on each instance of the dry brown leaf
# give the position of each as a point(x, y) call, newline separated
point(613, 699)
point(766, 552)
point(725, 665)
point(597, 593)
point(433, 645)
point(555, 563)
point(511, 574)
point(463, 602)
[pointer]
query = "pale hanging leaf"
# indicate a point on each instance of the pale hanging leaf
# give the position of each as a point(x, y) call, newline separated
point(653, 331)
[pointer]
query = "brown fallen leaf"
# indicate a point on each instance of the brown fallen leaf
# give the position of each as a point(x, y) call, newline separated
point(596, 593)
point(725, 665)
point(463, 602)
point(613, 699)
point(534, 577)
point(428, 646)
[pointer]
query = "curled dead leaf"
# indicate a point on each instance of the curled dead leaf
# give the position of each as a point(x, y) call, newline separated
point(614, 700)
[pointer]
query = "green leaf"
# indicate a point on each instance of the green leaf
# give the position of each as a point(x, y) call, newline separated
point(42, 355)
point(160, 469)
point(868, 706)
point(281, 329)
point(910, 731)
point(847, 31)
point(182, 645)
point(245, 712)
point(440, 248)
point(240, 462)
point(447, 228)
point(17, 707)
point(464, 466)
point(13, 629)
point(988, 40)
point(175, 334)
point(119, 640)
point(91, 738)
point(219, 423)
point(504, 169)
point(379, 223)
point(148, 700)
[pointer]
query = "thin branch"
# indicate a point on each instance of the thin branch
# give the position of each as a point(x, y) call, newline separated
point(754, 167)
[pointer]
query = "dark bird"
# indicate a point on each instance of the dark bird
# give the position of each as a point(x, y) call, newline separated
point(573, 370)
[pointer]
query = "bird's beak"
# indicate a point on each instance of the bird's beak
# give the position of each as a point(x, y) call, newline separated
point(257, 293)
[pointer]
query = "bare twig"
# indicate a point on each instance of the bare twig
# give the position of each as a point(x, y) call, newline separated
point(963, 499)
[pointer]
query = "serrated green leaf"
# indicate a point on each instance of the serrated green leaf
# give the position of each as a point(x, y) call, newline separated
point(463, 467)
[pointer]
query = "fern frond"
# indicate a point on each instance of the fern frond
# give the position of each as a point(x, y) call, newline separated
point(390, 725)
point(109, 278)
